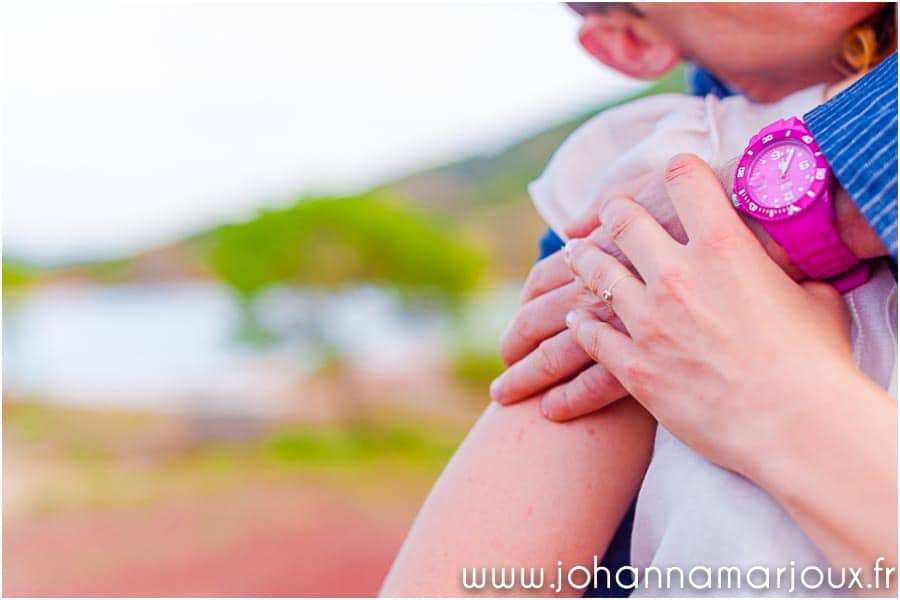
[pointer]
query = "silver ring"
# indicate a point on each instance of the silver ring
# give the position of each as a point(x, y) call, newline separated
point(607, 294)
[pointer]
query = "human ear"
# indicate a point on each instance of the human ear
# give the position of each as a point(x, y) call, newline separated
point(628, 43)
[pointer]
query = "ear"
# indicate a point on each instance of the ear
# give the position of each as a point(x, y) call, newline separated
point(628, 43)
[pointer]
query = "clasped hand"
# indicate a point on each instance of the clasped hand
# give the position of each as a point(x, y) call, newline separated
point(705, 331)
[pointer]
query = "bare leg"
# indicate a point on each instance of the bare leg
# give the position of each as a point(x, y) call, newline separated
point(522, 491)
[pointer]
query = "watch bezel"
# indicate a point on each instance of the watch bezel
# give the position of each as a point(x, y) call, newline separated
point(819, 185)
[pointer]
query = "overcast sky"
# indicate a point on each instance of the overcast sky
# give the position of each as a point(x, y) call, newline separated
point(131, 124)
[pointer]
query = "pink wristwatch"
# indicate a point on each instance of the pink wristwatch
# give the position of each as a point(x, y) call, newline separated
point(784, 182)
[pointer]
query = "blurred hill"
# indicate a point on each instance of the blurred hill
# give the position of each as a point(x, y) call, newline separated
point(494, 179)
point(486, 196)
point(480, 201)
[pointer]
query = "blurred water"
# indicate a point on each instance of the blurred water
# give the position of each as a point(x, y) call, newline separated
point(173, 347)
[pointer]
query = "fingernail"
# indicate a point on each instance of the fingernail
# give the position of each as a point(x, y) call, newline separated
point(570, 318)
point(545, 407)
point(496, 388)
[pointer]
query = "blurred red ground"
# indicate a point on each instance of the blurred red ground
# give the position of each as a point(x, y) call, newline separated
point(279, 541)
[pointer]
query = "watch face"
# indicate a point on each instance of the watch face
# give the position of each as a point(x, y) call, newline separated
point(780, 174)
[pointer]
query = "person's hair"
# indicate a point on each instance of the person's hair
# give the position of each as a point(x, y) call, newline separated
point(871, 41)
point(583, 8)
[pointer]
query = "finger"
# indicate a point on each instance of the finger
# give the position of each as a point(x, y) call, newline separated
point(637, 234)
point(700, 200)
point(600, 273)
point(555, 359)
point(537, 320)
point(588, 221)
point(590, 390)
point(603, 343)
point(546, 274)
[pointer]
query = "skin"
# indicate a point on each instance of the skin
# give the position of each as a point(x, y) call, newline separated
point(543, 360)
point(542, 357)
point(692, 358)
point(523, 492)
point(648, 44)
point(492, 484)
point(766, 50)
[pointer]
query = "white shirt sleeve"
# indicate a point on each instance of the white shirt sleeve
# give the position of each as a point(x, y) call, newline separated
point(640, 137)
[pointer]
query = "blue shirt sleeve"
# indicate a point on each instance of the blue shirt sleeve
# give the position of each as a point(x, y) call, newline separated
point(549, 243)
point(703, 83)
point(857, 132)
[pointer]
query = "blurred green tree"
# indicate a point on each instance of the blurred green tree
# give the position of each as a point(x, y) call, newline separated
point(330, 243)
point(17, 274)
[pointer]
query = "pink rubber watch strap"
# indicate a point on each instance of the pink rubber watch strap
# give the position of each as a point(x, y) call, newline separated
point(812, 241)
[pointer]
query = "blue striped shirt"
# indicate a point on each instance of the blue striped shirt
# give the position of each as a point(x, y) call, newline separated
point(857, 132)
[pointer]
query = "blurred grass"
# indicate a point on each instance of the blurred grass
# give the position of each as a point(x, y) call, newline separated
point(309, 445)
point(475, 366)
point(17, 274)
point(60, 459)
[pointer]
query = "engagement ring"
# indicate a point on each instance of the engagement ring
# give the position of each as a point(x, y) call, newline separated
point(607, 294)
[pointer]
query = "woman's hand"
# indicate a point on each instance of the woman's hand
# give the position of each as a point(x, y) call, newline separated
point(541, 354)
point(718, 336)
point(538, 349)
point(750, 369)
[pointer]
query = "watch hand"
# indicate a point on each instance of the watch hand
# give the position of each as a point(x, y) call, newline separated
point(787, 161)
